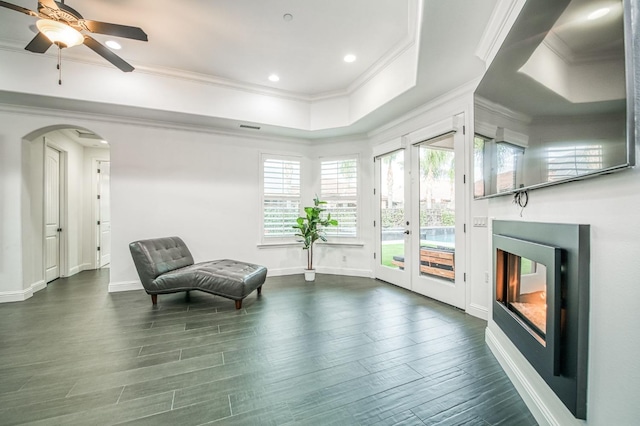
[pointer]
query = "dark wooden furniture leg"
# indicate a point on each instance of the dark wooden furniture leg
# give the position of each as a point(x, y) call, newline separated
point(259, 290)
point(154, 299)
point(238, 304)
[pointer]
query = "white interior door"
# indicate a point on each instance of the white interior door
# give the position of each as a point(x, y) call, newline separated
point(104, 209)
point(52, 213)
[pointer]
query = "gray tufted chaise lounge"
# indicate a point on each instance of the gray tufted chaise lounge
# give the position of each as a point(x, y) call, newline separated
point(165, 265)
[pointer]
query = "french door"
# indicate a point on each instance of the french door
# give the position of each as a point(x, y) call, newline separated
point(392, 223)
point(420, 203)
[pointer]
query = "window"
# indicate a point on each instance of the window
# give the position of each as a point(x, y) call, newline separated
point(280, 195)
point(339, 188)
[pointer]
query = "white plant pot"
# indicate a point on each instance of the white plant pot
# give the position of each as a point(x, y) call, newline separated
point(309, 274)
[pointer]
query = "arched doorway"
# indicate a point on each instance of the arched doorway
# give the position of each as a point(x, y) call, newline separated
point(62, 189)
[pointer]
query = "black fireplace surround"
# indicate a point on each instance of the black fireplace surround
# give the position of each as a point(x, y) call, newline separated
point(559, 351)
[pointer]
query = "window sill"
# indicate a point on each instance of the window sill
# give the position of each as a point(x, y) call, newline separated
point(298, 244)
point(342, 243)
point(278, 245)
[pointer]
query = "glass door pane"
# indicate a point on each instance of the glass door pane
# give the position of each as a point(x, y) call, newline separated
point(437, 211)
point(392, 214)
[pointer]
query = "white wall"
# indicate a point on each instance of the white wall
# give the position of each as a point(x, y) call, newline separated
point(14, 156)
point(204, 187)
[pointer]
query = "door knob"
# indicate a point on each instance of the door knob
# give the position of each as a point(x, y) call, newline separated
point(407, 232)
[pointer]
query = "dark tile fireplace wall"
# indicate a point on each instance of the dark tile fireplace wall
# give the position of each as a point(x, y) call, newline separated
point(565, 250)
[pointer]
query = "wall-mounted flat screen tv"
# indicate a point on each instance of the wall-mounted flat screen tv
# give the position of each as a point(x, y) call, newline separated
point(557, 103)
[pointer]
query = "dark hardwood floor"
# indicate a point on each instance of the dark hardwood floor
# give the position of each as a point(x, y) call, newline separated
point(341, 351)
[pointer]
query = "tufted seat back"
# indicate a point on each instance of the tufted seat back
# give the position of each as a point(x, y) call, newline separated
point(157, 256)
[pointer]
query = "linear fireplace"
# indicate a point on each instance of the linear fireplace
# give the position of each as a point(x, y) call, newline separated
point(541, 301)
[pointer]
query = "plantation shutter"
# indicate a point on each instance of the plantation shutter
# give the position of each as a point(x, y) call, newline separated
point(281, 196)
point(339, 188)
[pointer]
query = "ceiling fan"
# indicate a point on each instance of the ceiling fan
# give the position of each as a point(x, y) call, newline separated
point(61, 25)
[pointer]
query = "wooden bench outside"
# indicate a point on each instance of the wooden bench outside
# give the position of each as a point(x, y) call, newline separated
point(433, 261)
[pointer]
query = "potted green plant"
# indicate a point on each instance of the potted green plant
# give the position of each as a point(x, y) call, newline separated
point(311, 229)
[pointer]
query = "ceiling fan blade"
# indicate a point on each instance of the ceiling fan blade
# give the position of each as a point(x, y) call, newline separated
point(18, 8)
point(103, 51)
point(63, 7)
point(51, 4)
point(39, 44)
point(117, 30)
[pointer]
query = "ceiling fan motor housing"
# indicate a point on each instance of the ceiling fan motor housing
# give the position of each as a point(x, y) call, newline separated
point(63, 13)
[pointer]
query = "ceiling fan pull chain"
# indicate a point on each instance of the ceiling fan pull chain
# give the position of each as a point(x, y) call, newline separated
point(59, 66)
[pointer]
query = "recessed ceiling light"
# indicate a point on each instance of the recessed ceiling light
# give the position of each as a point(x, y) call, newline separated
point(113, 44)
point(598, 13)
point(287, 17)
point(350, 58)
point(274, 78)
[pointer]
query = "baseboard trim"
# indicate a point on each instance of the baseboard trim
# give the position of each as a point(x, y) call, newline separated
point(125, 286)
point(136, 285)
point(545, 406)
point(15, 296)
point(79, 268)
point(284, 271)
point(22, 295)
point(478, 311)
point(322, 270)
point(349, 272)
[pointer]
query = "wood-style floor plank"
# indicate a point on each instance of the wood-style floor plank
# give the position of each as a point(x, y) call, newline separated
point(340, 351)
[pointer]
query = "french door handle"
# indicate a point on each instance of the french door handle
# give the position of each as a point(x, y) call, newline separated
point(407, 232)
point(59, 230)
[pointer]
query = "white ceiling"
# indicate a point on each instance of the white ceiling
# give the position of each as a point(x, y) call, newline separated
point(242, 42)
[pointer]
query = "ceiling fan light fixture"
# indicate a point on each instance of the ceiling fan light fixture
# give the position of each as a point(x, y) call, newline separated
point(60, 34)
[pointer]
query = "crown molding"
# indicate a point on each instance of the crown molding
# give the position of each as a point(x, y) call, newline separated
point(502, 18)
